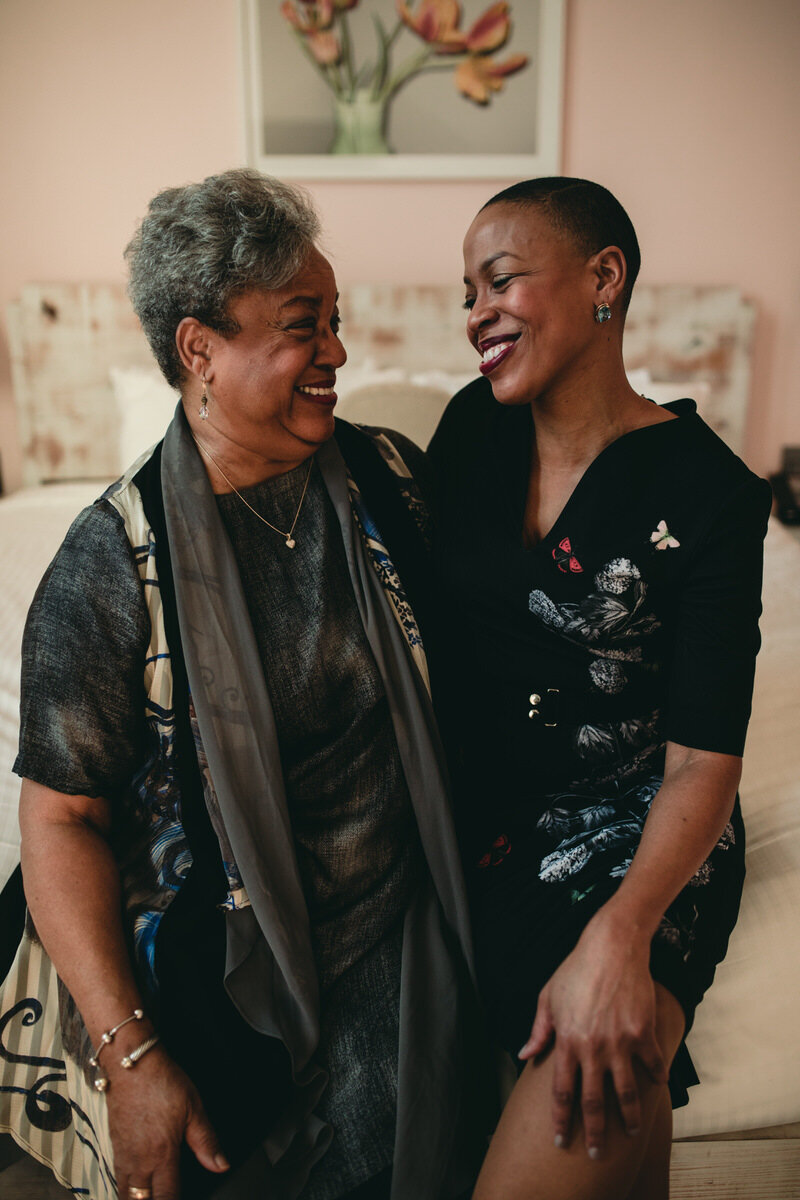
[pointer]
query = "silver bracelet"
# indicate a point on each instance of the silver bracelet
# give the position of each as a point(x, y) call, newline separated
point(130, 1060)
point(101, 1083)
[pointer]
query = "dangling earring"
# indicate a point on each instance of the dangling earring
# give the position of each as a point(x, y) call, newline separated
point(203, 409)
point(602, 312)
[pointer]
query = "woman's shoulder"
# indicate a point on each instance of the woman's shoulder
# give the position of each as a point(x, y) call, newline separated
point(94, 568)
point(705, 476)
point(470, 412)
point(97, 532)
point(704, 446)
point(468, 423)
point(697, 457)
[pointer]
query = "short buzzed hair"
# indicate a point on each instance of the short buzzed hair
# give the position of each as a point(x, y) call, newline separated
point(586, 212)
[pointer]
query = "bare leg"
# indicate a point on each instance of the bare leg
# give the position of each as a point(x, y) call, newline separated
point(523, 1163)
point(652, 1182)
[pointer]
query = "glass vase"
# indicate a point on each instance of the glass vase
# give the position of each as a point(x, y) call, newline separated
point(360, 124)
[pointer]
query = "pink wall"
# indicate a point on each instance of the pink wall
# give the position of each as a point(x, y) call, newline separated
point(687, 109)
point(104, 102)
point(690, 111)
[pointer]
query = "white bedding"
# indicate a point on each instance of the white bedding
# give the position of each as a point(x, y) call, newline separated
point(745, 1043)
point(32, 526)
point(746, 1039)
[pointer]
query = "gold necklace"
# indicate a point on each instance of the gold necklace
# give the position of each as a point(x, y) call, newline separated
point(290, 542)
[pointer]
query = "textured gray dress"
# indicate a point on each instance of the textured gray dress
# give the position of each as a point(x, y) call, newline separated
point(353, 825)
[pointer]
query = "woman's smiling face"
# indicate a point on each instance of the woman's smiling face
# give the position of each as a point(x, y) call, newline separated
point(272, 384)
point(531, 295)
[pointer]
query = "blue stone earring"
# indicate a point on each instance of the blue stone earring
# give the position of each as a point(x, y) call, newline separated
point(602, 313)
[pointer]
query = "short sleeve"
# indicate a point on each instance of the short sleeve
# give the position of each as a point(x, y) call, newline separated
point(82, 724)
point(717, 637)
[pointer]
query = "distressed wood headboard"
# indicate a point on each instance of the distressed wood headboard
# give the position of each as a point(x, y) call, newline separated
point(64, 338)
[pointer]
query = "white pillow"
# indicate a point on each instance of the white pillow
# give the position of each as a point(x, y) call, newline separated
point(145, 404)
point(400, 405)
point(351, 378)
point(448, 381)
point(388, 396)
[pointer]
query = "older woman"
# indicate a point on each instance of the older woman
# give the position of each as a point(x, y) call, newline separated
point(605, 578)
point(236, 845)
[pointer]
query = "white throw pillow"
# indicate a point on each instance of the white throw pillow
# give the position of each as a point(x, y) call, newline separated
point(145, 404)
point(412, 410)
point(390, 397)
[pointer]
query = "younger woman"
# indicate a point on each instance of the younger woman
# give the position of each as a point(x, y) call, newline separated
point(601, 562)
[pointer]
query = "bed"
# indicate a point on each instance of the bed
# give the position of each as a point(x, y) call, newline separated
point(89, 400)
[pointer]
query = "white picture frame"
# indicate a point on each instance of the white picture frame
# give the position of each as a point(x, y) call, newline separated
point(544, 158)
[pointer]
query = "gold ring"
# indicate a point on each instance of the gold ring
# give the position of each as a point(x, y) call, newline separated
point(139, 1193)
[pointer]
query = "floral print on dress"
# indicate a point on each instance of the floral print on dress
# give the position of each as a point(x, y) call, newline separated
point(608, 677)
point(678, 926)
point(678, 930)
point(623, 750)
point(611, 622)
point(611, 618)
point(617, 576)
point(585, 825)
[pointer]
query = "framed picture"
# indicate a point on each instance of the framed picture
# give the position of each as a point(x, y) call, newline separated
point(297, 126)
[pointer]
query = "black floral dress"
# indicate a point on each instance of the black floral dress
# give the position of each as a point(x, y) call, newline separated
point(568, 667)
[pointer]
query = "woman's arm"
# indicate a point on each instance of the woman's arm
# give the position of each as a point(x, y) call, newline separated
point(73, 891)
point(686, 818)
point(600, 1003)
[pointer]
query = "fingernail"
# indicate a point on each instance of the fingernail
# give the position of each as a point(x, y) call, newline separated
point(222, 1162)
point(522, 1051)
point(559, 1141)
point(594, 1152)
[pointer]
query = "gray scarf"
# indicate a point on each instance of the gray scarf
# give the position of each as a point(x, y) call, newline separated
point(445, 1093)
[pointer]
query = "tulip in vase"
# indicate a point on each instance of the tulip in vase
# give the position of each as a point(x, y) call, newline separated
point(362, 95)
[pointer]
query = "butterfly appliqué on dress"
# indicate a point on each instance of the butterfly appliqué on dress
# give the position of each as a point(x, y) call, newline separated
point(500, 848)
point(565, 559)
point(662, 538)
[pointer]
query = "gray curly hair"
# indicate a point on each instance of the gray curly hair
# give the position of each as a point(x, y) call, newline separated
point(202, 245)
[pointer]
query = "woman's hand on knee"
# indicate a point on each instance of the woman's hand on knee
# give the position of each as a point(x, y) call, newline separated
point(600, 1008)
